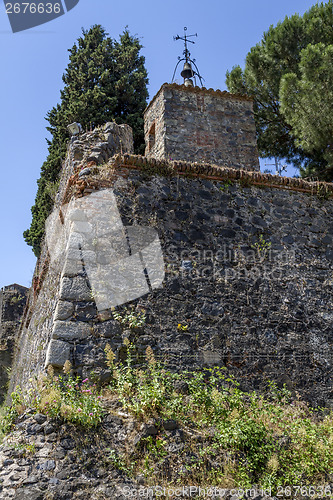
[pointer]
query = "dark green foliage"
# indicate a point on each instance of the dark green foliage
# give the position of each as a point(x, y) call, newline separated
point(307, 103)
point(105, 80)
point(281, 52)
point(232, 437)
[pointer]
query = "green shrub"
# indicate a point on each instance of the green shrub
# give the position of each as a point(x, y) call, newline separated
point(130, 318)
point(248, 428)
point(64, 397)
point(9, 414)
point(69, 398)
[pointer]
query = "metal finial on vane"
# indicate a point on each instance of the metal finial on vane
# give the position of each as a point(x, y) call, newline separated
point(188, 73)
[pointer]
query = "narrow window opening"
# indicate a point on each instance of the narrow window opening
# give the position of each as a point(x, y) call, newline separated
point(151, 136)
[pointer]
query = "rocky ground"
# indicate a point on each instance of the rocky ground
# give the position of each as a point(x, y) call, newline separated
point(44, 459)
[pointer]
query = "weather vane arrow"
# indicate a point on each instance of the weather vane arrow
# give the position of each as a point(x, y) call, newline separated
point(188, 73)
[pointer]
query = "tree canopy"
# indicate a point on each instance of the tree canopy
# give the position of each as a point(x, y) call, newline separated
point(289, 75)
point(105, 80)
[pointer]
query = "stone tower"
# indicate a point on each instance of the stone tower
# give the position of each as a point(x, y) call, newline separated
point(199, 125)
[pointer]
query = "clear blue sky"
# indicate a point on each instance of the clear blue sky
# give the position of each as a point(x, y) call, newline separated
point(33, 62)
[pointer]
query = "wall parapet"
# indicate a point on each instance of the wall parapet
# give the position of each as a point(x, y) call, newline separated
point(215, 172)
point(170, 168)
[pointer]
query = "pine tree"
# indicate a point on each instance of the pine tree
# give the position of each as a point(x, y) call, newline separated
point(105, 80)
point(279, 53)
point(307, 104)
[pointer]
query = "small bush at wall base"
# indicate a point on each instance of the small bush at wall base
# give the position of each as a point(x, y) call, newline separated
point(244, 438)
point(58, 396)
point(69, 398)
point(194, 428)
point(10, 413)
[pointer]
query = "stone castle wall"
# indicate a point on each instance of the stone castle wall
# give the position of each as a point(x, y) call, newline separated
point(12, 303)
point(200, 125)
point(248, 280)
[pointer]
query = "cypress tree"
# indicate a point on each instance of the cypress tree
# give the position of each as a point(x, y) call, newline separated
point(105, 80)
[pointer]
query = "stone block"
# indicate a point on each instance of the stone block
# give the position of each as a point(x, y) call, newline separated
point(96, 157)
point(329, 254)
point(70, 330)
point(57, 353)
point(212, 309)
point(72, 268)
point(78, 154)
point(108, 329)
point(211, 357)
point(85, 171)
point(85, 311)
point(110, 127)
point(74, 289)
point(64, 310)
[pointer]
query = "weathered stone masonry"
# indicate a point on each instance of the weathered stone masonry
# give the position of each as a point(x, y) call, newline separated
point(248, 260)
point(196, 124)
point(12, 302)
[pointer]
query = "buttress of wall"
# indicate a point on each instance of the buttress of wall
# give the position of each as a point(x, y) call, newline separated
point(92, 148)
point(194, 124)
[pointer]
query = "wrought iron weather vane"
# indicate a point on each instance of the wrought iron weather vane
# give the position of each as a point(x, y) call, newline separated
point(188, 73)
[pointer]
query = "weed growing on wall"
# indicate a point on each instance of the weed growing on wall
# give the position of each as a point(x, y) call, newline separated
point(182, 328)
point(262, 247)
point(238, 438)
point(130, 318)
point(8, 414)
point(63, 397)
point(206, 430)
point(69, 398)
